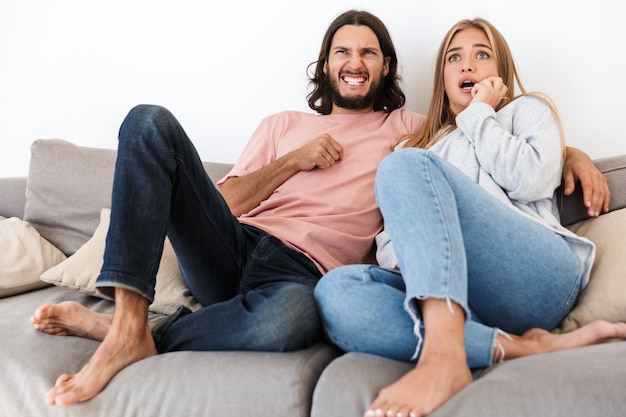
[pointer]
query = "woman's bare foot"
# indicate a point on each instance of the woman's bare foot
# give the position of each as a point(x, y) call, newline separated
point(536, 341)
point(423, 389)
point(129, 340)
point(441, 370)
point(71, 319)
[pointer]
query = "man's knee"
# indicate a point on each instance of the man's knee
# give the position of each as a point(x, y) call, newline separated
point(148, 112)
point(145, 118)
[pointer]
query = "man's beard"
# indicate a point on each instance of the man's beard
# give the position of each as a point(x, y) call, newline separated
point(355, 103)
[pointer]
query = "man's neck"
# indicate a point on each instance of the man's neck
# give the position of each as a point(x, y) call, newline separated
point(340, 110)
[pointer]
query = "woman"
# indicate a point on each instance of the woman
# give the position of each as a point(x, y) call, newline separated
point(480, 268)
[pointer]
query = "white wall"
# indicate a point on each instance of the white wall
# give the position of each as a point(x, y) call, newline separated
point(72, 69)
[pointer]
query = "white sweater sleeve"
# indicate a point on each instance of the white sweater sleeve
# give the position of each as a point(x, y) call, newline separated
point(385, 253)
point(519, 147)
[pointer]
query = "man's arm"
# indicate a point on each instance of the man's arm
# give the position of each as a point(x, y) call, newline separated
point(580, 168)
point(246, 192)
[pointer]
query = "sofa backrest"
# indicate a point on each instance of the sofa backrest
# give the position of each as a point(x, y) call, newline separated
point(68, 185)
point(614, 168)
point(12, 197)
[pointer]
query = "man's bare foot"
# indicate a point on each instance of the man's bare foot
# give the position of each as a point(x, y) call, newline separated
point(128, 340)
point(423, 389)
point(536, 341)
point(71, 319)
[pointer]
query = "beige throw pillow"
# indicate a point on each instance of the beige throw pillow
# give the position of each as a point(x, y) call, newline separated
point(24, 255)
point(81, 269)
point(605, 296)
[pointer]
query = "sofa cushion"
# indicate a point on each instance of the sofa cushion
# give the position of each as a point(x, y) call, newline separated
point(68, 185)
point(13, 193)
point(277, 384)
point(580, 382)
point(605, 296)
point(66, 188)
point(81, 269)
point(25, 255)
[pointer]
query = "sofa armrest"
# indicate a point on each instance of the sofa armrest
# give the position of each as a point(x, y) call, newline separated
point(12, 196)
point(614, 168)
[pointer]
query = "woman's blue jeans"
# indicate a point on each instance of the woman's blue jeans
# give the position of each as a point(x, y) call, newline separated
point(257, 294)
point(453, 241)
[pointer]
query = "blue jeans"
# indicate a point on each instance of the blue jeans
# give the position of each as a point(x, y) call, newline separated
point(256, 293)
point(453, 241)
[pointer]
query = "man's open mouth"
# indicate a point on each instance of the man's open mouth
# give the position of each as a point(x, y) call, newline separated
point(354, 80)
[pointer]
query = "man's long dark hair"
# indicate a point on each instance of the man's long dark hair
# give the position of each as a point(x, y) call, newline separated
point(392, 97)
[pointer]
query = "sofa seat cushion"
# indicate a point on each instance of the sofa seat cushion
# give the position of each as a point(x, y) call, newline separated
point(171, 384)
point(579, 382)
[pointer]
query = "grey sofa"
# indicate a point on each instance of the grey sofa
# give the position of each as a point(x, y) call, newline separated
point(67, 186)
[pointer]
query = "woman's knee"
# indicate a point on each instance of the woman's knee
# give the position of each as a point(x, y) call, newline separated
point(337, 282)
point(402, 167)
point(407, 159)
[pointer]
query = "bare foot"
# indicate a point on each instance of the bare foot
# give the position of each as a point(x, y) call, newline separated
point(536, 341)
point(441, 369)
point(71, 319)
point(128, 340)
point(423, 389)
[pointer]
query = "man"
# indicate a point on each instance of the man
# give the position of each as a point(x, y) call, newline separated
point(298, 202)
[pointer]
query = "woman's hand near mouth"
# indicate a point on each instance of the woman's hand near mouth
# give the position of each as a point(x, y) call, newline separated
point(491, 90)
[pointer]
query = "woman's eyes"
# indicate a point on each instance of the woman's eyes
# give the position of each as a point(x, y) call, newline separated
point(479, 55)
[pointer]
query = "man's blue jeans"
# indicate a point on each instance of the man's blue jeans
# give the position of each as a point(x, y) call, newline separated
point(453, 241)
point(257, 294)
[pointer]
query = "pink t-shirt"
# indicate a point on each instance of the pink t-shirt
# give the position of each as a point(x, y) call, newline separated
point(329, 214)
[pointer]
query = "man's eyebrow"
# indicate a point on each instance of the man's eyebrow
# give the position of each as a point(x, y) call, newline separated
point(364, 48)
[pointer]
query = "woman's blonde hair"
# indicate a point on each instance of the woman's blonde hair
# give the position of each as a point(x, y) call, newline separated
point(440, 119)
